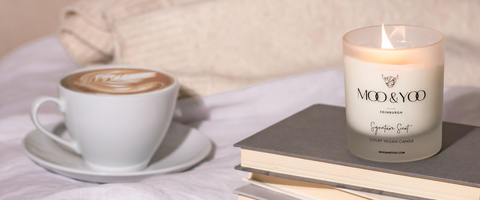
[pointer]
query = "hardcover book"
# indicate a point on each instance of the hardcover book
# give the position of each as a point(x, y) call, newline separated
point(308, 190)
point(252, 192)
point(311, 146)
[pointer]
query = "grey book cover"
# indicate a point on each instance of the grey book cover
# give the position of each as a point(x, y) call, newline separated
point(259, 193)
point(319, 133)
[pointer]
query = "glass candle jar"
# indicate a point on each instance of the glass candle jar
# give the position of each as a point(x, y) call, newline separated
point(394, 96)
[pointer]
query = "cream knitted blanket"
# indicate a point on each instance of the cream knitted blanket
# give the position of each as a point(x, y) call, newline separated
point(218, 45)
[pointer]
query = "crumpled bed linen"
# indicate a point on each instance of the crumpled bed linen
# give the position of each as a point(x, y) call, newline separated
point(225, 118)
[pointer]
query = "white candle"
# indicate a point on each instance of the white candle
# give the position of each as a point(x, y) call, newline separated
point(394, 96)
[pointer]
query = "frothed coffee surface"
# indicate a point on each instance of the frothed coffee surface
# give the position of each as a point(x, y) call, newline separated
point(117, 81)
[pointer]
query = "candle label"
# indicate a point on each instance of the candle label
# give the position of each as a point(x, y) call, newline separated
point(393, 101)
point(393, 97)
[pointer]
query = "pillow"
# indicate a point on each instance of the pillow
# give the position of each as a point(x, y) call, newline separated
point(215, 46)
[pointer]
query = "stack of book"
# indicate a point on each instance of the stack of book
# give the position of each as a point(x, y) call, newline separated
point(305, 157)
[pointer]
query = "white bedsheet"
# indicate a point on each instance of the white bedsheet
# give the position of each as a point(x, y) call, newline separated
point(226, 118)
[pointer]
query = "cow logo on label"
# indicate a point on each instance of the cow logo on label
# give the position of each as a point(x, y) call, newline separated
point(390, 80)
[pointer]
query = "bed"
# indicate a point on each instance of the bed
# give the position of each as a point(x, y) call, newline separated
point(225, 118)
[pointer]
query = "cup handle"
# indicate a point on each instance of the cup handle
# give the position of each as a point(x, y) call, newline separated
point(33, 114)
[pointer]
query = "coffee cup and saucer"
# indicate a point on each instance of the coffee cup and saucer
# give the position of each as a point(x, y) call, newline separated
point(117, 127)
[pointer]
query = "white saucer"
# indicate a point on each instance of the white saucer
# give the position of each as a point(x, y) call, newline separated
point(182, 148)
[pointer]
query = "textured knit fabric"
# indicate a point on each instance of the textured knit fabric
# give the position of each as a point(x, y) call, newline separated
point(219, 45)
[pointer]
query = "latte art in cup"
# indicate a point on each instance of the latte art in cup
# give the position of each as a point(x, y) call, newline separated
point(116, 115)
point(117, 81)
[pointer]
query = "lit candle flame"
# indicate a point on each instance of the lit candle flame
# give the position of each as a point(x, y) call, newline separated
point(385, 42)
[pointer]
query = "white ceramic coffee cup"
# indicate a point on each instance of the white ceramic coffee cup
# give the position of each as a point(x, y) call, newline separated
point(113, 133)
